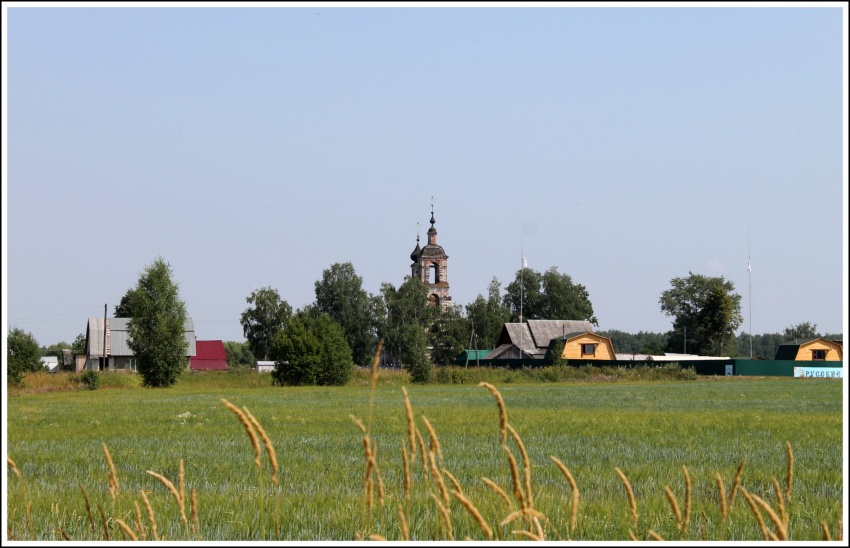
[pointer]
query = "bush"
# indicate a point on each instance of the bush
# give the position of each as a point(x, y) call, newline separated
point(90, 379)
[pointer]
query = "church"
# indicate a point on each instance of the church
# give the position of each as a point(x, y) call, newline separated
point(429, 265)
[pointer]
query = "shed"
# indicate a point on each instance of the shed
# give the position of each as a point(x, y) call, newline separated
point(816, 349)
point(50, 363)
point(209, 356)
point(265, 366)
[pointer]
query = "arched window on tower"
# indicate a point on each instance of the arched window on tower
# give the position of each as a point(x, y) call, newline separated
point(434, 273)
point(434, 299)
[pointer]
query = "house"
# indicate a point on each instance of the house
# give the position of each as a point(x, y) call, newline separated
point(531, 339)
point(583, 345)
point(116, 347)
point(50, 363)
point(471, 356)
point(264, 366)
point(817, 349)
point(209, 356)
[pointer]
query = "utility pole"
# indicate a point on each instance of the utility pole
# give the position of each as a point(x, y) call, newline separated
point(104, 337)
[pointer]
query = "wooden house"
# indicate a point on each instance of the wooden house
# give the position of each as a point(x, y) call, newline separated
point(587, 346)
point(209, 356)
point(531, 339)
point(818, 349)
point(118, 354)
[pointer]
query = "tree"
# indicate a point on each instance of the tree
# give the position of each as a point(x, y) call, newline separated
point(449, 335)
point(803, 330)
point(122, 309)
point(312, 350)
point(405, 328)
point(157, 328)
point(79, 345)
point(488, 316)
point(22, 355)
point(262, 323)
point(239, 356)
point(705, 308)
point(562, 299)
point(523, 296)
point(340, 295)
point(550, 296)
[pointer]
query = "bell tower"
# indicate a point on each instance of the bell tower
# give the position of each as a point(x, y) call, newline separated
point(430, 266)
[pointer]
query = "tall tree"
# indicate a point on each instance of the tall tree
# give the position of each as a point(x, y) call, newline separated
point(157, 327)
point(312, 350)
point(523, 296)
point(449, 335)
point(805, 330)
point(340, 294)
point(122, 309)
point(239, 356)
point(405, 329)
point(22, 355)
point(262, 322)
point(488, 316)
point(700, 310)
point(565, 300)
point(548, 296)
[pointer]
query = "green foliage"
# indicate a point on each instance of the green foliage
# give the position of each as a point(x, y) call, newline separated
point(449, 335)
point(705, 308)
point(262, 322)
point(550, 296)
point(451, 375)
point(805, 330)
point(555, 354)
point(90, 379)
point(405, 328)
point(312, 350)
point(488, 316)
point(124, 308)
point(22, 355)
point(79, 345)
point(239, 355)
point(157, 329)
point(340, 294)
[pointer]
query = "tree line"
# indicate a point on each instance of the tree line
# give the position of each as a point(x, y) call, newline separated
point(321, 342)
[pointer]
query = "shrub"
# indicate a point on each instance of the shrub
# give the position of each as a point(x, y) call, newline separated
point(90, 379)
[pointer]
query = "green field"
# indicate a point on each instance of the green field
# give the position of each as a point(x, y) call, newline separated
point(648, 430)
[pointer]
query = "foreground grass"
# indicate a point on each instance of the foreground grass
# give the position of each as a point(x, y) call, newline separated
point(647, 430)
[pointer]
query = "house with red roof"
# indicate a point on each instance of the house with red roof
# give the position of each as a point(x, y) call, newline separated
point(209, 356)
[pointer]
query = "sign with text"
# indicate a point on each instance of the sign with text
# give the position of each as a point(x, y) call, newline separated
point(820, 372)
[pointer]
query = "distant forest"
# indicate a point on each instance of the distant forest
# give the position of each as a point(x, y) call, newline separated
point(764, 346)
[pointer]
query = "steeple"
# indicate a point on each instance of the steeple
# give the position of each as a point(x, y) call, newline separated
point(432, 232)
point(430, 266)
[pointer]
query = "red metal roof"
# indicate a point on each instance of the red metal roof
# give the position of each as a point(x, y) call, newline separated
point(209, 355)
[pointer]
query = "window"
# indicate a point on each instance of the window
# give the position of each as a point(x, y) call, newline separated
point(133, 366)
point(588, 349)
point(818, 354)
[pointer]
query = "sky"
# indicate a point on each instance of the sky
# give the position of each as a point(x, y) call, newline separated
point(256, 147)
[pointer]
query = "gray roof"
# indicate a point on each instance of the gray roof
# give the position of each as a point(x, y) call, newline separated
point(537, 334)
point(118, 337)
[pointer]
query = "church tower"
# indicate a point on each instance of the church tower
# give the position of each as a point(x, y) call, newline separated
point(429, 265)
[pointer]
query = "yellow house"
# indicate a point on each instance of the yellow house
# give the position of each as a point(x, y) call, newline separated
point(819, 349)
point(587, 346)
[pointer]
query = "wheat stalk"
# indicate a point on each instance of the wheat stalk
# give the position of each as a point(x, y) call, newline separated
point(438, 478)
point(174, 492)
point(653, 534)
point(503, 414)
point(113, 477)
point(255, 442)
point(575, 497)
point(140, 527)
point(755, 510)
point(781, 531)
point(411, 425)
point(790, 474)
point(515, 478)
point(475, 513)
point(151, 516)
point(780, 503)
point(267, 443)
point(402, 521)
point(526, 464)
point(631, 496)
point(736, 482)
point(825, 528)
point(675, 506)
point(687, 517)
point(194, 515)
point(125, 529)
point(501, 492)
point(453, 479)
point(406, 462)
point(435, 442)
point(444, 514)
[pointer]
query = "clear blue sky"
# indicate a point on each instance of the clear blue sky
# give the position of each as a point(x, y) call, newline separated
point(254, 147)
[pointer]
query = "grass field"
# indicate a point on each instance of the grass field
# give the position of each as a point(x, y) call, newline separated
point(649, 430)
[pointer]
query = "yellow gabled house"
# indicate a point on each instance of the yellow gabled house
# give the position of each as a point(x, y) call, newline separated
point(587, 346)
point(807, 350)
